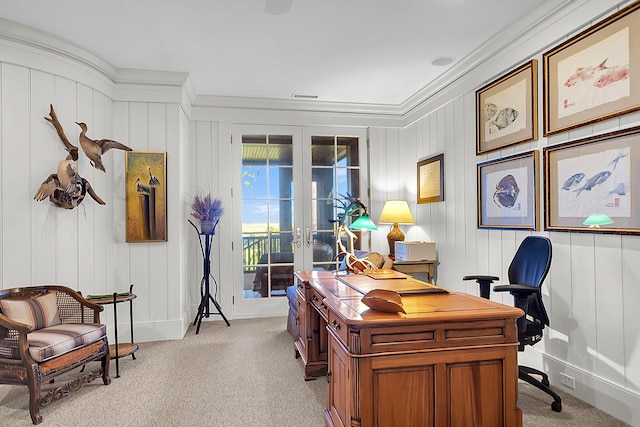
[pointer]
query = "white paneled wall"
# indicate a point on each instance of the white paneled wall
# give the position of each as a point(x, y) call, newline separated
point(85, 248)
point(593, 287)
point(591, 293)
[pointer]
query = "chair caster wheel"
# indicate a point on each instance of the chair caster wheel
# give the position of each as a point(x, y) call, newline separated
point(556, 406)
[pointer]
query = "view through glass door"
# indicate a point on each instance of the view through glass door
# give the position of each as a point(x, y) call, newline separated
point(336, 171)
point(288, 186)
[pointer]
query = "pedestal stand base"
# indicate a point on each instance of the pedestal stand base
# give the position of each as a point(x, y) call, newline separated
point(203, 310)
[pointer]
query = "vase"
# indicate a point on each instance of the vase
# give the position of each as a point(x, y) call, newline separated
point(207, 226)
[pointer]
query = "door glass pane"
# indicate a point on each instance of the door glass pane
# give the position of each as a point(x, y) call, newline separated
point(267, 215)
point(348, 181)
point(335, 173)
point(347, 151)
point(323, 151)
point(280, 150)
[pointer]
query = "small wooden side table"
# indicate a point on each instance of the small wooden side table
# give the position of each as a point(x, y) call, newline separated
point(119, 350)
point(424, 270)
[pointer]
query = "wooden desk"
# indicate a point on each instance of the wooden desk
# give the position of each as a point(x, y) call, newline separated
point(424, 270)
point(451, 360)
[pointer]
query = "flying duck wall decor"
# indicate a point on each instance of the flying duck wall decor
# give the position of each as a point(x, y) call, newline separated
point(66, 188)
point(94, 149)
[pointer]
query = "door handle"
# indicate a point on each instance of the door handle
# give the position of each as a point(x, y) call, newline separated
point(298, 236)
point(308, 233)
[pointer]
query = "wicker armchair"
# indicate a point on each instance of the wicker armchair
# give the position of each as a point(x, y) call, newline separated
point(46, 331)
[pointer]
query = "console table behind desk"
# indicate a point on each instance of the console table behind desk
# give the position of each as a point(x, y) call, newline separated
point(451, 360)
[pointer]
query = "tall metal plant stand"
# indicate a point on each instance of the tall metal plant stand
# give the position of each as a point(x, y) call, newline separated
point(205, 290)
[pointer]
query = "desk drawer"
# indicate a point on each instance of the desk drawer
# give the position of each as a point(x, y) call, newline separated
point(304, 290)
point(316, 301)
point(339, 328)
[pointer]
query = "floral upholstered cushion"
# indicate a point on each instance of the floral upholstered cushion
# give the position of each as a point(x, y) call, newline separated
point(45, 344)
point(39, 312)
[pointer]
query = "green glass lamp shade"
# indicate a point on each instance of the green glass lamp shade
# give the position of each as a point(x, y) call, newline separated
point(363, 223)
point(596, 220)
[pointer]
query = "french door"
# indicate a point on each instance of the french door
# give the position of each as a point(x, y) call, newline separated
point(284, 195)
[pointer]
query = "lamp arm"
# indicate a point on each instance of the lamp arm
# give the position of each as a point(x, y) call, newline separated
point(350, 234)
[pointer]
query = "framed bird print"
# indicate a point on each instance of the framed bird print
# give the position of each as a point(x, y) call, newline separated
point(146, 196)
point(595, 75)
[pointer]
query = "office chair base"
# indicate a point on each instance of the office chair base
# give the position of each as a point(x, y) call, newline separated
point(525, 372)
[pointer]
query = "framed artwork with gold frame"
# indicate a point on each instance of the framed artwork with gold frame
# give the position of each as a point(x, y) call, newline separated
point(508, 192)
point(507, 109)
point(146, 196)
point(431, 179)
point(595, 75)
point(594, 177)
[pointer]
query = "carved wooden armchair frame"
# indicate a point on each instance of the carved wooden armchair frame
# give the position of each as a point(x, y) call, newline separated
point(17, 363)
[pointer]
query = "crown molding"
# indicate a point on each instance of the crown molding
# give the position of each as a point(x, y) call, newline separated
point(166, 86)
point(42, 41)
point(536, 32)
point(512, 35)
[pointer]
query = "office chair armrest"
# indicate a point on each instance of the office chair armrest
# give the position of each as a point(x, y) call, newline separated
point(481, 277)
point(517, 289)
point(483, 282)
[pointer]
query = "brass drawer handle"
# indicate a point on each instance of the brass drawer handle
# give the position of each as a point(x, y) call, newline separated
point(314, 298)
point(336, 325)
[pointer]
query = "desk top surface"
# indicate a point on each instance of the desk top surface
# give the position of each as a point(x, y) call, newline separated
point(346, 302)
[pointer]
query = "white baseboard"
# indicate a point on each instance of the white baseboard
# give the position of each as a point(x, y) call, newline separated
point(606, 396)
point(150, 331)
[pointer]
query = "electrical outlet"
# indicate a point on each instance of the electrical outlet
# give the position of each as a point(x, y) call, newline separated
point(567, 381)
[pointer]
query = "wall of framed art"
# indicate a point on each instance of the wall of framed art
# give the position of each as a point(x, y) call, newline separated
point(592, 288)
point(591, 77)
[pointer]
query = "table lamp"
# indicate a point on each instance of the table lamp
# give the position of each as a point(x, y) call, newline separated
point(597, 219)
point(395, 212)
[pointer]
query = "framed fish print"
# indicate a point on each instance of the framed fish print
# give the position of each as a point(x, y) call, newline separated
point(431, 179)
point(588, 184)
point(507, 109)
point(595, 75)
point(146, 196)
point(508, 192)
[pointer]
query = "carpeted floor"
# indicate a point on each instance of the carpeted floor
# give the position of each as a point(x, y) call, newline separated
point(242, 375)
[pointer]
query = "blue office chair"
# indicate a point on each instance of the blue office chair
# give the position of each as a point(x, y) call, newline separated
point(527, 271)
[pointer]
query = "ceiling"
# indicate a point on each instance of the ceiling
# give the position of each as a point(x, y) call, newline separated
point(356, 51)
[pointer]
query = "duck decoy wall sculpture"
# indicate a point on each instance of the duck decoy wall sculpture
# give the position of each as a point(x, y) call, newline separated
point(95, 148)
point(66, 188)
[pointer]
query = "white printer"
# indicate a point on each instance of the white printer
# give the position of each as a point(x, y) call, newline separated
point(415, 251)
